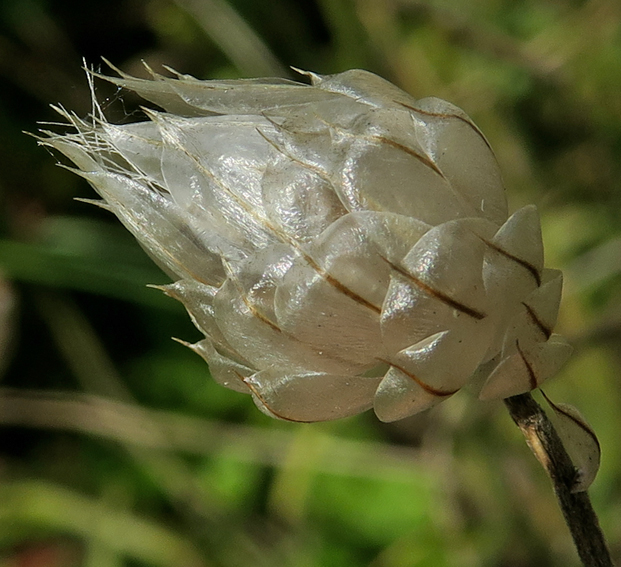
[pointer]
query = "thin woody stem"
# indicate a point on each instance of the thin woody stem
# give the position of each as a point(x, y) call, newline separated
point(547, 446)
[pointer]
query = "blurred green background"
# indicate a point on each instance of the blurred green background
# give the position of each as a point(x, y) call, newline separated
point(117, 450)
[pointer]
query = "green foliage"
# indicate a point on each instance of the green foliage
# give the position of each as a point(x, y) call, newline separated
point(116, 448)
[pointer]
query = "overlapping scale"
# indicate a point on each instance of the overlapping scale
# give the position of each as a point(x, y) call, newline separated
point(227, 212)
point(535, 317)
point(362, 86)
point(526, 370)
point(437, 286)
point(246, 312)
point(356, 251)
point(141, 147)
point(224, 369)
point(433, 360)
point(373, 174)
point(188, 96)
point(198, 299)
point(311, 396)
point(399, 395)
point(514, 258)
point(298, 201)
point(340, 245)
point(160, 226)
point(316, 149)
point(462, 153)
point(320, 311)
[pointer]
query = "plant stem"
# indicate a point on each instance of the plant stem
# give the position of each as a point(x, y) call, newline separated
point(548, 448)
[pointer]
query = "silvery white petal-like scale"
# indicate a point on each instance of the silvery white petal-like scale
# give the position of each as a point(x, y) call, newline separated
point(341, 245)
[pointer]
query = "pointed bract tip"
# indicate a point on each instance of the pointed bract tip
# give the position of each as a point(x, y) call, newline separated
point(314, 77)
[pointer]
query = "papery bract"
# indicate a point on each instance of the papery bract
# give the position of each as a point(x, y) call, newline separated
point(340, 244)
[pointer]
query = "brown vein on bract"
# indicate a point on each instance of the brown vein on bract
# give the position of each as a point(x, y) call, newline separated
point(573, 418)
point(429, 389)
point(314, 169)
point(256, 313)
point(340, 286)
point(532, 378)
point(435, 293)
point(325, 275)
point(266, 320)
point(370, 204)
point(441, 115)
point(388, 141)
point(251, 307)
point(279, 234)
point(538, 322)
point(532, 269)
point(244, 379)
point(420, 157)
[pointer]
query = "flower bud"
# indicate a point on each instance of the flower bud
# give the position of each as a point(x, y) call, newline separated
point(341, 245)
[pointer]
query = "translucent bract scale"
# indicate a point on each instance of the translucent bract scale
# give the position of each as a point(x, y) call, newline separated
point(340, 244)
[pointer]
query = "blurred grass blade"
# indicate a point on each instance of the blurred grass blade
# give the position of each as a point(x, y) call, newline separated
point(42, 505)
point(351, 43)
point(94, 370)
point(82, 349)
point(8, 301)
point(131, 424)
point(235, 37)
point(85, 256)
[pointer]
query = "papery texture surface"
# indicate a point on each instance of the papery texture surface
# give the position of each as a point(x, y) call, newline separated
point(341, 245)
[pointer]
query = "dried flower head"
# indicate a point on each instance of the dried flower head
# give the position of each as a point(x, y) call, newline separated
point(341, 245)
